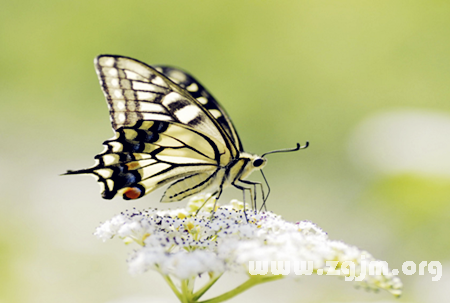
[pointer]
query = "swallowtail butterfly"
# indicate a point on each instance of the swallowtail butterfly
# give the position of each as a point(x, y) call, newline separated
point(168, 129)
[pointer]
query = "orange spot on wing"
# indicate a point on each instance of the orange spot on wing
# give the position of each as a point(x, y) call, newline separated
point(132, 193)
point(132, 165)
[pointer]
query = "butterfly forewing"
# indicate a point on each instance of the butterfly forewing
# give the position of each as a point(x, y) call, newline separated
point(136, 91)
point(197, 91)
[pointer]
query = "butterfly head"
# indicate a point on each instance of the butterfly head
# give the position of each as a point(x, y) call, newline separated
point(246, 164)
point(258, 162)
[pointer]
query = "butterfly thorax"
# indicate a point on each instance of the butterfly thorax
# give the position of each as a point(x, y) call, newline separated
point(243, 166)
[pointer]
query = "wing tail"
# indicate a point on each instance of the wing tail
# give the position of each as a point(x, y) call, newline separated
point(78, 172)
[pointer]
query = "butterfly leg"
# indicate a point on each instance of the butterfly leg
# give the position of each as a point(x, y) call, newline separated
point(217, 194)
point(206, 201)
point(243, 194)
point(254, 190)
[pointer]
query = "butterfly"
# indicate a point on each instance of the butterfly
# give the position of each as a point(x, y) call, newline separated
point(168, 130)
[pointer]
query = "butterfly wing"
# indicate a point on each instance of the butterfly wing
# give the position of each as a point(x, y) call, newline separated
point(163, 134)
point(136, 91)
point(198, 91)
point(150, 154)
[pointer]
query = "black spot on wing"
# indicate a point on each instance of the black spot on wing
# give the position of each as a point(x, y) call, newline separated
point(121, 178)
point(138, 124)
point(177, 105)
point(147, 136)
point(137, 144)
point(133, 146)
point(196, 121)
point(126, 157)
point(159, 126)
point(129, 178)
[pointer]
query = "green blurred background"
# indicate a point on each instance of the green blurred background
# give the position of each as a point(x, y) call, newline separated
point(366, 82)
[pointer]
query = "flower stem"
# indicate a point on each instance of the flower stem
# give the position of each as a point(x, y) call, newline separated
point(186, 290)
point(173, 287)
point(205, 287)
point(254, 280)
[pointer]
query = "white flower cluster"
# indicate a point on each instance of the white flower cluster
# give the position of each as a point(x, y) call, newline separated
point(184, 244)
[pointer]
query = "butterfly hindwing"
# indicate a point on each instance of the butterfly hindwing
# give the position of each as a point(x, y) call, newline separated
point(191, 185)
point(150, 154)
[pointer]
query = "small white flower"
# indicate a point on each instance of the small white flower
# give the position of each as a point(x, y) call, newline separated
point(110, 228)
point(185, 243)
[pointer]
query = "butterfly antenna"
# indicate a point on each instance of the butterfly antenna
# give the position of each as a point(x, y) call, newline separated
point(285, 150)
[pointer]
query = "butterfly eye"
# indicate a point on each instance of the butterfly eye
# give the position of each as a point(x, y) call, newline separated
point(258, 162)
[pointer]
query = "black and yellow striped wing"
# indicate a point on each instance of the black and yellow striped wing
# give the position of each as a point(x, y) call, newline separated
point(164, 132)
point(199, 92)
